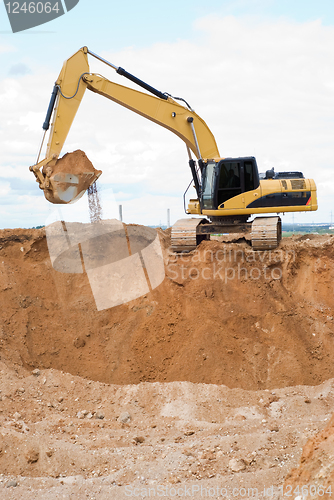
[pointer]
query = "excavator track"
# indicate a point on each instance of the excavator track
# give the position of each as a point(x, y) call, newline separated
point(183, 237)
point(266, 233)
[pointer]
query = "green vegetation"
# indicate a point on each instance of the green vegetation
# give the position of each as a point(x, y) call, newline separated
point(290, 229)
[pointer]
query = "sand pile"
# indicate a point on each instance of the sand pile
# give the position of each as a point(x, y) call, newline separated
point(75, 162)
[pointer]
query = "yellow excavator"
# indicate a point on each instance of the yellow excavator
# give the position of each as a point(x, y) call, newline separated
point(229, 190)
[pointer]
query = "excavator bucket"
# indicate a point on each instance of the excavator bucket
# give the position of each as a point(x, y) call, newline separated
point(69, 178)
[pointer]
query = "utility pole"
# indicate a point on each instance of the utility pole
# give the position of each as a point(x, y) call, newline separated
point(120, 213)
point(168, 217)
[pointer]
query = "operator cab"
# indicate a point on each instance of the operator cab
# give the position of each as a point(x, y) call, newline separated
point(227, 178)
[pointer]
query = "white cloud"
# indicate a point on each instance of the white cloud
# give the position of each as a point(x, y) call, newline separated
point(5, 48)
point(264, 88)
point(19, 69)
point(4, 189)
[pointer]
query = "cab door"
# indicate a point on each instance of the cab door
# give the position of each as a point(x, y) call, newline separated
point(230, 182)
point(236, 177)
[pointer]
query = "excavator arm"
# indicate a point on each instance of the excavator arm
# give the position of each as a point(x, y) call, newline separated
point(74, 78)
point(229, 190)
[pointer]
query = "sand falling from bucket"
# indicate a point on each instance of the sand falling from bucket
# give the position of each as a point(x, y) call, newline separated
point(94, 204)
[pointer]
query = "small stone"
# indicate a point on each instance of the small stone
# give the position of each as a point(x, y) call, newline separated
point(174, 480)
point(79, 342)
point(139, 439)
point(274, 428)
point(80, 414)
point(49, 453)
point(11, 484)
point(36, 372)
point(124, 417)
point(307, 400)
point(99, 415)
point(237, 465)
point(89, 415)
point(189, 433)
point(70, 480)
point(32, 456)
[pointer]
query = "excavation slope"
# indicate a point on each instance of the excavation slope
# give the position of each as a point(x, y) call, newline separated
point(222, 315)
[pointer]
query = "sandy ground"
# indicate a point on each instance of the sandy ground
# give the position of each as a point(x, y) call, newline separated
point(316, 469)
point(209, 385)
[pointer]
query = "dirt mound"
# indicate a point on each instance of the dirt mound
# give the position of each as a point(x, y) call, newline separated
point(224, 315)
point(70, 177)
point(316, 469)
point(75, 162)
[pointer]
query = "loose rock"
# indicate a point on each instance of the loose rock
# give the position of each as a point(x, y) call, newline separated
point(125, 417)
point(237, 465)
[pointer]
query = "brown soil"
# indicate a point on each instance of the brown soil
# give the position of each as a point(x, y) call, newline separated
point(199, 325)
point(251, 324)
point(75, 163)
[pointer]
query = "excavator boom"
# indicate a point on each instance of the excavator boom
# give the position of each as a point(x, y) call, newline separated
point(74, 78)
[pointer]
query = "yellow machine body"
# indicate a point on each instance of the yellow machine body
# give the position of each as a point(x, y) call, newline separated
point(240, 204)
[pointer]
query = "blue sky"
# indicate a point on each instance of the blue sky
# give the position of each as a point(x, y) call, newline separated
point(133, 23)
point(177, 46)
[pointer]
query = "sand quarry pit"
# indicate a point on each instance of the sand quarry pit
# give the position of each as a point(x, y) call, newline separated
point(209, 385)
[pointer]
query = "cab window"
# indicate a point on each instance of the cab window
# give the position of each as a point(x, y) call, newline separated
point(209, 186)
point(249, 176)
point(229, 184)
